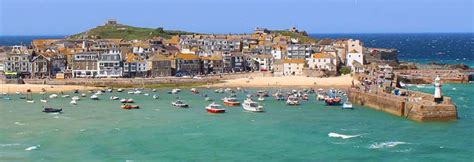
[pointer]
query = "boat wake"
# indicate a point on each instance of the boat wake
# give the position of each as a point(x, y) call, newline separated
point(386, 144)
point(32, 148)
point(18, 123)
point(9, 144)
point(343, 136)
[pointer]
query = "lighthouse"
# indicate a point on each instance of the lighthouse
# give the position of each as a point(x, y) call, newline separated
point(437, 93)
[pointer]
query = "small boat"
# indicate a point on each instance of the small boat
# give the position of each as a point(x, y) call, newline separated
point(18, 93)
point(65, 96)
point(153, 90)
point(347, 105)
point(83, 95)
point(43, 100)
point(208, 99)
point(321, 97)
point(94, 97)
point(128, 107)
point(76, 91)
point(252, 106)
point(402, 85)
point(179, 103)
point(98, 92)
point(127, 100)
point(120, 90)
point(333, 101)
point(109, 90)
point(220, 90)
point(51, 110)
point(215, 108)
point(305, 97)
point(114, 98)
point(30, 101)
point(175, 91)
point(53, 96)
point(156, 96)
point(194, 90)
point(146, 94)
point(76, 98)
point(292, 100)
point(131, 92)
point(230, 101)
point(73, 102)
point(261, 98)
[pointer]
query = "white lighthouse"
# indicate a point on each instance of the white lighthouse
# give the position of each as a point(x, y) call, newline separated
point(437, 93)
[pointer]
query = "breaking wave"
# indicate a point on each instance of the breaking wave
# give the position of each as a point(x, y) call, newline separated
point(386, 144)
point(343, 136)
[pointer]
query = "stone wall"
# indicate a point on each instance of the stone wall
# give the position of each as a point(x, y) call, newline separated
point(420, 110)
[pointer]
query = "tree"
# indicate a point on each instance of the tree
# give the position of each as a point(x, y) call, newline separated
point(160, 30)
point(345, 70)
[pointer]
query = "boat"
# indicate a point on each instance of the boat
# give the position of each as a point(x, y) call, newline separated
point(94, 97)
point(75, 98)
point(402, 85)
point(131, 92)
point(44, 100)
point(220, 90)
point(51, 110)
point(128, 107)
point(261, 98)
point(194, 90)
point(292, 100)
point(29, 96)
point(175, 91)
point(53, 96)
point(153, 90)
point(127, 100)
point(73, 102)
point(208, 99)
point(120, 90)
point(179, 103)
point(137, 92)
point(347, 105)
point(30, 101)
point(156, 96)
point(262, 93)
point(65, 96)
point(98, 92)
point(83, 95)
point(305, 97)
point(214, 108)
point(333, 101)
point(146, 94)
point(252, 106)
point(114, 98)
point(109, 90)
point(76, 91)
point(230, 101)
point(321, 97)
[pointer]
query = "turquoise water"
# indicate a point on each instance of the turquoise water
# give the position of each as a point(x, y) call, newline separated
point(101, 131)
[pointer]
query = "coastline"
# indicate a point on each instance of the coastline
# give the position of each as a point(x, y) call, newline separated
point(344, 81)
point(36, 88)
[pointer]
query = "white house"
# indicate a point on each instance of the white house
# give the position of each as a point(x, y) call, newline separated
point(355, 60)
point(109, 65)
point(293, 66)
point(322, 61)
point(277, 52)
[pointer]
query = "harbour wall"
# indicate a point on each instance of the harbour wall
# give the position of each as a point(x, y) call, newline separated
point(419, 106)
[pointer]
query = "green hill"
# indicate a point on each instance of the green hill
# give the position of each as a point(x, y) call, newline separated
point(126, 32)
point(302, 37)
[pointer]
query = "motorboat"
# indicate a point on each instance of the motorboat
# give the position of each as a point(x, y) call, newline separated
point(261, 98)
point(321, 97)
point(333, 101)
point(305, 97)
point(179, 103)
point(128, 107)
point(52, 110)
point(153, 90)
point(194, 90)
point(65, 96)
point(73, 102)
point(94, 97)
point(83, 95)
point(120, 90)
point(114, 98)
point(220, 90)
point(53, 96)
point(30, 101)
point(109, 90)
point(214, 108)
point(76, 98)
point(252, 106)
point(137, 92)
point(292, 100)
point(230, 101)
point(146, 94)
point(175, 91)
point(127, 100)
point(156, 96)
point(347, 105)
point(208, 99)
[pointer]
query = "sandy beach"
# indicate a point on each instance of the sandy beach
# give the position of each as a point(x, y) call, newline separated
point(36, 88)
point(289, 81)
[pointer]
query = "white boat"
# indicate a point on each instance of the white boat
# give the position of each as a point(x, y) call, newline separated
point(120, 90)
point(131, 92)
point(76, 98)
point(175, 91)
point(214, 108)
point(73, 102)
point(179, 103)
point(44, 101)
point(137, 92)
point(347, 105)
point(153, 90)
point(65, 96)
point(321, 97)
point(109, 90)
point(127, 100)
point(53, 96)
point(146, 94)
point(261, 98)
point(94, 97)
point(252, 106)
point(402, 84)
point(292, 100)
point(30, 101)
point(156, 96)
point(18, 93)
point(83, 95)
point(114, 98)
point(208, 99)
point(98, 93)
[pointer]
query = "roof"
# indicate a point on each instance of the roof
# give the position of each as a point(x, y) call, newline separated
point(212, 58)
point(158, 57)
point(131, 57)
point(187, 56)
point(322, 55)
point(325, 42)
point(293, 61)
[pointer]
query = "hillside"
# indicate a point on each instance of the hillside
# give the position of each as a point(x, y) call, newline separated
point(303, 38)
point(118, 31)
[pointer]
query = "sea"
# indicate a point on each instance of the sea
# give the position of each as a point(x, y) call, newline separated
point(102, 131)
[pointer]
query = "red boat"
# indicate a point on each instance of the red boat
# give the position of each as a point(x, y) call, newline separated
point(231, 101)
point(214, 108)
point(128, 107)
point(333, 101)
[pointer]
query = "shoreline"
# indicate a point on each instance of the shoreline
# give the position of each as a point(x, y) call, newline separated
point(37, 88)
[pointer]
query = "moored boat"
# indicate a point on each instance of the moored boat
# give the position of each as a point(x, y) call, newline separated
point(94, 97)
point(252, 106)
point(53, 96)
point(292, 100)
point(73, 102)
point(127, 100)
point(208, 99)
point(52, 110)
point(128, 107)
point(333, 101)
point(156, 96)
point(179, 103)
point(230, 101)
point(114, 98)
point(215, 108)
point(347, 105)
point(194, 90)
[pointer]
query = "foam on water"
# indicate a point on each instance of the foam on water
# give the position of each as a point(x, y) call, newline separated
point(343, 136)
point(9, 144)
point(32, 148)
point(386, 144)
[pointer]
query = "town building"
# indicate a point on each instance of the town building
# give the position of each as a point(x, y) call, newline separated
point(84, 64)
point(293, 66)
point(159, 66)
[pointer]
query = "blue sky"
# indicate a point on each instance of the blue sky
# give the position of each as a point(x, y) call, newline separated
point(63, 17)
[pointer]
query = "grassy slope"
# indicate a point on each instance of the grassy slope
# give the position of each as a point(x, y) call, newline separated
point(302, 38)
point(127, 32)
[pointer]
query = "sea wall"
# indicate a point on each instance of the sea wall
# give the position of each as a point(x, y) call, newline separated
point(418, 107)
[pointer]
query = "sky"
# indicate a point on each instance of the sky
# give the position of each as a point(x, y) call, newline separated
point(65, 17)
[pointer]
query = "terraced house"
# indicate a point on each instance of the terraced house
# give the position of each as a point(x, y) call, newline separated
point(17, 62)
point(84, 64)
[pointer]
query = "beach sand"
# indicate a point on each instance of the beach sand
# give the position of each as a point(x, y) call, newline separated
point(36, 88)
point(289, 81)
